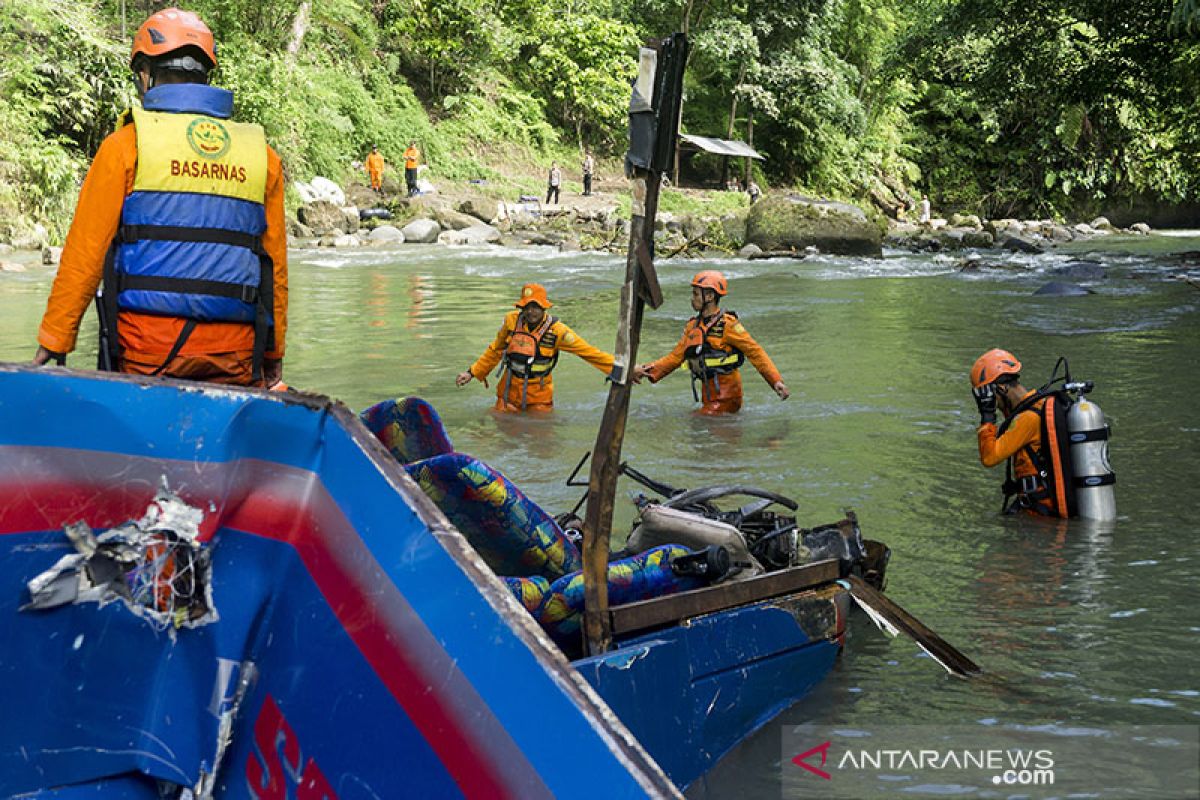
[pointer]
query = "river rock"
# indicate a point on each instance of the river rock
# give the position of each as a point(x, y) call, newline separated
point(1018, 244)
point(1102, 224)
point(1140, 227)
point(749, 250)
point(474, 235)
point(454, 220)
point(34, 238)
point(351, 219)
point(323, 217)
point(51, 256)
point(1083, 229)
point(11, 266)
point(950, 239)
point(321, 189)
point(977, 238)
point(734, 226)
point(1060, 289)
point(421, 231)
point(299, 230)
point(794, 222)
point(386, 233)
point(482, 208)
point(965, 221)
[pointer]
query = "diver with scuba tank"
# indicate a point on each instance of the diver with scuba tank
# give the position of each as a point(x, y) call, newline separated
point(526, 348)
point(1054, 440)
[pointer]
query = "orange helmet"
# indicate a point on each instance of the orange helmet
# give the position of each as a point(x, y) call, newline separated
point(711, 279)
point(533, 293)
point(169, 30)
point(991, 365)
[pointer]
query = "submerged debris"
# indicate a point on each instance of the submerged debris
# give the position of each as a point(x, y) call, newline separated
point(155, 566)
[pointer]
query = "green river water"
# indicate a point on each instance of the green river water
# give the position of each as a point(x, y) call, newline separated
point(1076, 625)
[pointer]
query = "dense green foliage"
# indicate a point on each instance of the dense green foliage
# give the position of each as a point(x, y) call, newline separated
point(999, 106)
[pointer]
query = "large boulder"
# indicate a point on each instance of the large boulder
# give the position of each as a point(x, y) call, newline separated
point(322, 217)
point(454, 220)
point(299, 230)
point(421, 231)
point(321, 190)
point(474, 235)
point(483, 208)
point(977, 239)
point(965, 221)
point(351, 219)
point(386, 233)
point(1018, 244)
point(794, 222)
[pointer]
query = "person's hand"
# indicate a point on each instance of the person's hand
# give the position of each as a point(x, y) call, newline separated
point(985, 401)
point(641, 371)
point(42, 356)
point(781, 389)
point(272, 372)
point(463, 378)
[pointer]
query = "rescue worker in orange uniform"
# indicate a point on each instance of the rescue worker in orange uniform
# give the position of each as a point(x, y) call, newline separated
point(181, 216)
point(374, 166)
point(996, 384)
point(412, 160)
point(715, 344)
point(528, 344)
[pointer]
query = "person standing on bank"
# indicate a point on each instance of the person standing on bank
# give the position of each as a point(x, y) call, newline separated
point(553, 182)
point(181, 216)
point(589, 167)
point(412, 160)
point(715, 344)
point(374, 166)
point(528, 344)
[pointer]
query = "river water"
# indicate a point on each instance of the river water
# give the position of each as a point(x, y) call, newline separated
point(1077, 625)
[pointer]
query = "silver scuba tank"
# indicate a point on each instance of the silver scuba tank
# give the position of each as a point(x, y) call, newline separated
point(1094, 477)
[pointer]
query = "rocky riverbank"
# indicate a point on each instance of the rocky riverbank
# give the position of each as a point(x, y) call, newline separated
point(779, 225)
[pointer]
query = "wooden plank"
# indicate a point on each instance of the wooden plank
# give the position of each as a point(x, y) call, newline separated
point(673, 608)
point(942, 651)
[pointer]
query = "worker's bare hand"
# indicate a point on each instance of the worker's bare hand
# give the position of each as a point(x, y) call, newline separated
point(463, 378)
point(781, 389)
point(641, 371)
point(42, 356)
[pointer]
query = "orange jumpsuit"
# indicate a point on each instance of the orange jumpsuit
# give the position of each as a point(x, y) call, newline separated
point(220, 352)
point(537, 392)
point(720, 393)
point(375, 169)
point(1025, 430)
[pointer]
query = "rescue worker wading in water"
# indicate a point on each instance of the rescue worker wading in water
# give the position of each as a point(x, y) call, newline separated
point(996, 384)
point(528, 344)
point(715, 345)
point(181, 216)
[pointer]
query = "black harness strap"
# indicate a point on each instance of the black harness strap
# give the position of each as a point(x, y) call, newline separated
point(181, 233)
point(188, 327)
point(160, 283)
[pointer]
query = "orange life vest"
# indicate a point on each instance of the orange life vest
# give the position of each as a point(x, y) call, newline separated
point(524, 356)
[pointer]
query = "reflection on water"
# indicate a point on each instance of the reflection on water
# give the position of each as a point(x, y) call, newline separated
point(1076, 624)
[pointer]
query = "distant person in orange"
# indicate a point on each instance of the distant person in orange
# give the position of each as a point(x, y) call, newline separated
point(528, 344)
point(181, 216)
point(375, 168)
point(715, 344)
point(412, 160)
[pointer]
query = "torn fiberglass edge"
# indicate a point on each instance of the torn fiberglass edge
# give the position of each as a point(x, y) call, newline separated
point(155, 566)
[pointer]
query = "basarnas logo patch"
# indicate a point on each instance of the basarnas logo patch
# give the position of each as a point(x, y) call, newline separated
point(209, 138)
